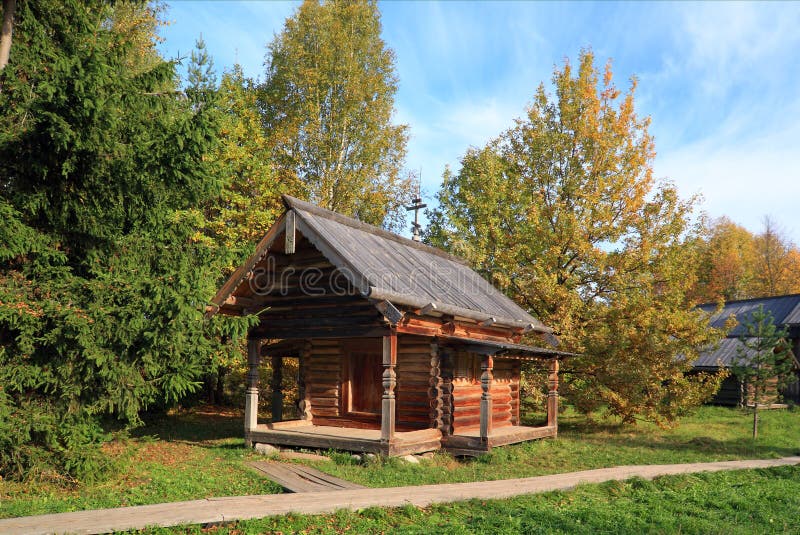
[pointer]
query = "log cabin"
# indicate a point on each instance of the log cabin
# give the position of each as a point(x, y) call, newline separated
point(785, 310)
point(402, 348)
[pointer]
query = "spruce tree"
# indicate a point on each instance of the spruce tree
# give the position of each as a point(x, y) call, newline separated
point(103, 275)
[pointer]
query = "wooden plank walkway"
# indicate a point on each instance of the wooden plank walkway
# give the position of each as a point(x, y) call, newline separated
point(299, 478)
point(215, 510)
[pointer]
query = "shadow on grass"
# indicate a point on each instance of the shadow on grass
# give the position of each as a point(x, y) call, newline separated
point(196, 426)
point(703, 446)
point(612, 434)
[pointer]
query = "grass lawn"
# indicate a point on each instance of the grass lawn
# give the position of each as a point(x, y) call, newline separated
point(200, 453)
point(743, 501)
point(711, 434)
point(182, 457)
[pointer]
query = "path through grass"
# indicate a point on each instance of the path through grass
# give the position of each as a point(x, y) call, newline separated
point(740, 502)
point(200, 454)
point(712, 434)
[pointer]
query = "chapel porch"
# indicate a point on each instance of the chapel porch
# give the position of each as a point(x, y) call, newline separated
point(471, 442)
point(302, 433)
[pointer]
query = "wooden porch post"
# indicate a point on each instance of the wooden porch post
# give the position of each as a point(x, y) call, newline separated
point(435, 392)
point(251, 396)
point(487, 378)
point(389, 384)
point(446, 367)
point(552, 396)
point(302, 383)
point(277, 388)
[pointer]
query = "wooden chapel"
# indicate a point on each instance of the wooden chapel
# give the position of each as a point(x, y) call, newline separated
point(402, 348)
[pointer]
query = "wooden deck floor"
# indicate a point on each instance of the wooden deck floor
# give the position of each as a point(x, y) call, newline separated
point(303, 434)
point(470, 443)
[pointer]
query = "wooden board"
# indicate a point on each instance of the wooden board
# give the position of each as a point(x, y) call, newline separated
point(299, 478)
point(469, 442)
point(214, 510)
point(349, 439)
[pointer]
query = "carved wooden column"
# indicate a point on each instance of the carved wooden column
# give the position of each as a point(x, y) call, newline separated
point(486, 397)
point(446, 367)
point(251, 395)
point(389, 384)
point(277, 388)
point(435, 391)
point(552, 395)
point(304, 391)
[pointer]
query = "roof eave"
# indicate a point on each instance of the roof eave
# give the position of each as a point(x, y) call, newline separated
point(529, 324)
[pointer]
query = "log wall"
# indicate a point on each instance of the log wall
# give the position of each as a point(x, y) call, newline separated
point(324, 380)
point(325, 374)
point(413, 383)
point(302, 295)
point(466, 397)
point(460, 389)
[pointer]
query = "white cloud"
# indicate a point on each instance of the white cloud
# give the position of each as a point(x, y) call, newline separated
point(743, 178)
point(729, 114)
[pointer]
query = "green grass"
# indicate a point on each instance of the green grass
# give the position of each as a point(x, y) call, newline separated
point(744, 501)
point(200, 454)
point(181, 457)
point(711, 434)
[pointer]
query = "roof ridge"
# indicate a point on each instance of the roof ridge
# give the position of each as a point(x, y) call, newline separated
point(298, 204)
point(726, 303)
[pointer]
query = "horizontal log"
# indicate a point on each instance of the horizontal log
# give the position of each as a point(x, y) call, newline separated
point(343, 421)
point(461, 389)
point(322, 381)
point(325, 342)
point(466, 411)
point(333, 368)
point(421, 400)
point(320, 332)
point(323, 354)
point(417, 349)
point(324, 401)
point(323, 391)
point(464, 425)
point(300, 299)
point(423, 408)
point(415, 385)
point(316, 310)
point(413, 426)
point(417, 376)
point(414, 358)
point(333, 352)
point(350, 320)
point(324, 411)
point(413, 419)
point(413, 395)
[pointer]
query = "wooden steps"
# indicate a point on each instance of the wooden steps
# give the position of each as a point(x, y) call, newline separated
point(299, 478)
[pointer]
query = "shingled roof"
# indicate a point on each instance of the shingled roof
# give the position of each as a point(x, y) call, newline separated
point(785, 310)
point(386, 267)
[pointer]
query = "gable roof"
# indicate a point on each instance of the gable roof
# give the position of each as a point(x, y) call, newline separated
point(725, 355)
point(785, 310)
point(386, 267)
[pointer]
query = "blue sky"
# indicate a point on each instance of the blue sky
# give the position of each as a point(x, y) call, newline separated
point(721, 81)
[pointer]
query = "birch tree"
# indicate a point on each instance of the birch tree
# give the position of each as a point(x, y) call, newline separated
point(327, 104)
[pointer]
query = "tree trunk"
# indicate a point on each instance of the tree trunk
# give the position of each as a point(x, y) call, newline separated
point(9, 6)
point(755, 421)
